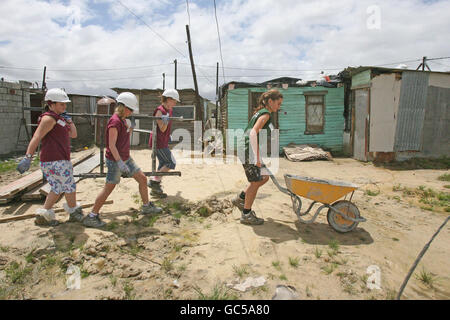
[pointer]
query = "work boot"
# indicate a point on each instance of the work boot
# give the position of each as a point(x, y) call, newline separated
point(45, 218)
point(238, 202)
point(75, 214)
point(156, 189)
point(251, 219)
point(150, 209)
point(93, 222)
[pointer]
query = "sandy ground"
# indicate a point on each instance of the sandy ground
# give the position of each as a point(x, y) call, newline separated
point(197, 247)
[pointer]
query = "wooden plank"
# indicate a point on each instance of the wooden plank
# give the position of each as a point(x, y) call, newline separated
point(84, 167)
point(29, 181)
point(29, 216)
point(36, 195)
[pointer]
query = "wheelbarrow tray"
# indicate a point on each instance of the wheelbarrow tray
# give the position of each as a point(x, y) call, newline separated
point(320, 190)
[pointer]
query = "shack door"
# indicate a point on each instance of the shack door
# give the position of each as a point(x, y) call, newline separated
point(361, 125)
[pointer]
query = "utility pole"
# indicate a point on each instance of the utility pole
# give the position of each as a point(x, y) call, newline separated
point(199, 111)
point(44, 86)
point(424, 64)
point(217, 95)
point(175, 62)
point(164, 80)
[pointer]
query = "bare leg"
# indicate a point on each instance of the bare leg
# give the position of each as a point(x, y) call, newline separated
point(252, 189)
point(159, 178)
point(102, 196)
point(71, 199)
point(143, 189)
point(50, 200)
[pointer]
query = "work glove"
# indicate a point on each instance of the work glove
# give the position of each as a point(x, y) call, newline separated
point(165, 118)
point(123, 167)
point(66, 117)
point(24, 165)
point(132, 123)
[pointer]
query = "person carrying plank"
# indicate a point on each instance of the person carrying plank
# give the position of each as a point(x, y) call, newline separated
point(167, 162)
point(118, 160)
point(54, 131)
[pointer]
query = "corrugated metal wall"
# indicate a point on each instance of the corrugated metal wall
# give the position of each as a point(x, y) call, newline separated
point(436, 128)
point(411, 111)
point(362, 78)
point(292, 116)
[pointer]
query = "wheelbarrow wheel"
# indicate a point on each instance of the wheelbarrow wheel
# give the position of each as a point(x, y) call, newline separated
point(338, 222)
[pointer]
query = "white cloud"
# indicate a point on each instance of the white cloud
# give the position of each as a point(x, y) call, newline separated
point(282, 35)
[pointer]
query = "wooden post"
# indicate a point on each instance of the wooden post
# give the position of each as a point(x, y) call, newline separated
point(164, 81)
point(217, 94)
point(197, 95)
point(44, 85)
point(175, 62)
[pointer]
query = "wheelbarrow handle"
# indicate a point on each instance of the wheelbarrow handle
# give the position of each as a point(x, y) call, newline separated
point(284, 190)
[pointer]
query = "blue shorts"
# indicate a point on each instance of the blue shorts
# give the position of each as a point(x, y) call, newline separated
point(114, 174)
point(165, 158)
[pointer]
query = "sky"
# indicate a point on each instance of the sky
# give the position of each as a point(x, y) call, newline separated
point(91, 46)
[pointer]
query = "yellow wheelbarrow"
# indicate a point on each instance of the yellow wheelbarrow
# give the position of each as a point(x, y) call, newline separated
point(343, 215)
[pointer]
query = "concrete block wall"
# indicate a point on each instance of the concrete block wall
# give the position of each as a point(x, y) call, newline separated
point(13, 96)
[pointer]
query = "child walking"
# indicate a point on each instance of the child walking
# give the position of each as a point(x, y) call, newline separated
point(167, 162)
point(54, 131)
point(268, 103)
point(118, 160)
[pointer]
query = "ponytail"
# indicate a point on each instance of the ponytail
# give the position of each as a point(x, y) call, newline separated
point(272, 94)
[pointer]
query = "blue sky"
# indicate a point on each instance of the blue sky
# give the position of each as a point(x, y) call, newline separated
point(90, 46)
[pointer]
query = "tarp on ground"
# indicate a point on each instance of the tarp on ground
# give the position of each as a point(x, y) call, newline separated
point(305, 152)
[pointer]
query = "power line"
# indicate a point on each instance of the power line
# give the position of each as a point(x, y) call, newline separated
point(151, 28)
point(111, 69)
point(220, 42)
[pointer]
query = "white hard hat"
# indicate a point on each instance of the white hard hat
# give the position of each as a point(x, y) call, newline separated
point(56, 95)
point(128, 99)
point(171, 93)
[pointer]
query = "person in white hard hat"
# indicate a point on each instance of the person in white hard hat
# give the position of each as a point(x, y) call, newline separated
point(167, 162)
point(55, 128)
point(118, 160)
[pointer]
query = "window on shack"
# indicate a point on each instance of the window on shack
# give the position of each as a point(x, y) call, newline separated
point(315, 112)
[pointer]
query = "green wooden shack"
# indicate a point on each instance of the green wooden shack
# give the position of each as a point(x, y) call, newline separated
point(311, 115)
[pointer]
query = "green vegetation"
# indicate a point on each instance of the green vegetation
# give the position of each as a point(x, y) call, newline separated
point(241, 270)
point(426, 277)
point(444, 177)
point(427, 196)
point(219, 292)
point(293, 262)
point(317, 252)
point(441, 163)
point(17, 274)
point(276, 265)
point(372, 193)
point(128, 289)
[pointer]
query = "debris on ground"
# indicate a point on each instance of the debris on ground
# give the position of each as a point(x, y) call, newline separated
point(285, 293)
point(305, 152)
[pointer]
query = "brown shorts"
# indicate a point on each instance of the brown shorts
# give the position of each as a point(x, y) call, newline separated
point(253, 172)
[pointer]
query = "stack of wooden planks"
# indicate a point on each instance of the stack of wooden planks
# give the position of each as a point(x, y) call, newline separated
point(32, 187)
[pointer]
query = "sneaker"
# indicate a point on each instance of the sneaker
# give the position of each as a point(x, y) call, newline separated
point(45, 218)
point(77, 215)
point(251, 218)
point(93, 222)
point(156, 189)
point(151, 209)
point(238, 202)
point(41, 221)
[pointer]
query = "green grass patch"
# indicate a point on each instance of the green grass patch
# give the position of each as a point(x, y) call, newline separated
point(329, 268)
point(441, 163)
point(241, 270)
point(128, 289)
point(16, 273)
point(276, 265)
point(293, 262)
point(317, 252)
point(219, 292)
point(426, 278)
point(372, 193)
point(444, 177)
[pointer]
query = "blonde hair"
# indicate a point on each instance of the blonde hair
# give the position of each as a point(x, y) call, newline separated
point(120, 110)
point(272, 94)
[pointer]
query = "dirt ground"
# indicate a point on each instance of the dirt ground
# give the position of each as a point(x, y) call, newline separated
point(198, 249)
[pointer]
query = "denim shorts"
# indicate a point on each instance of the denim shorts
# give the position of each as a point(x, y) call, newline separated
point(165, 158)
point(59, 175)
point(114, 174)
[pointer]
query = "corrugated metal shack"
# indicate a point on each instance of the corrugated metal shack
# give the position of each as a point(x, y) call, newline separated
point(309, 114)
point(399, 114)
point(150, 99)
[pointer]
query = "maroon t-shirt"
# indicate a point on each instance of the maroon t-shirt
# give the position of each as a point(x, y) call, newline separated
point(162, 138)
point(123, 138)
point(56, 143)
